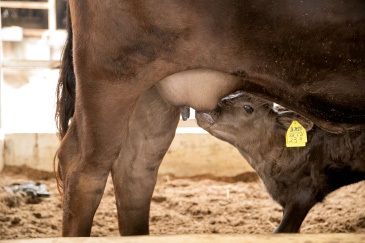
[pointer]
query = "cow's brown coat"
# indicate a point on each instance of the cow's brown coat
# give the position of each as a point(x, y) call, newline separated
point(306, 55)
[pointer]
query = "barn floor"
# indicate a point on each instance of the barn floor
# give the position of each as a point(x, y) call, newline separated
point(210, 238)
point(181, 206)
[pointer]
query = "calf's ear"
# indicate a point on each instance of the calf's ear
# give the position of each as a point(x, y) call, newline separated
point(285, 119)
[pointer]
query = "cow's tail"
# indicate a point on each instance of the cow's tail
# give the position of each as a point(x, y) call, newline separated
point(66, 84)
point(66, 92)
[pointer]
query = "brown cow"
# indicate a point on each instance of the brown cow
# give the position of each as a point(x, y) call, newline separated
point(306, 55)
point(297, 178)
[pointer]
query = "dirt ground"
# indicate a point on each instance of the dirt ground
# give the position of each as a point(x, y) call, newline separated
point(181, 206)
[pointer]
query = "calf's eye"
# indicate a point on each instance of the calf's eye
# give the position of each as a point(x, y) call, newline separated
point(248, 109)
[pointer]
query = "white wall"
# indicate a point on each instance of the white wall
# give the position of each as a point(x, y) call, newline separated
point(28, 100)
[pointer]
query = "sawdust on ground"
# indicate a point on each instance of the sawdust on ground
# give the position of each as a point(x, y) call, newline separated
point(204, 204)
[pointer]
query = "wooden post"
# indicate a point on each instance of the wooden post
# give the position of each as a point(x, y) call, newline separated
point(1, 75)
point(52, 15)
point(52, 25)
point(2, 162)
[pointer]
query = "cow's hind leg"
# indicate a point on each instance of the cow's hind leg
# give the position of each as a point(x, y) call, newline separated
point(151, 131)
point(91, 145)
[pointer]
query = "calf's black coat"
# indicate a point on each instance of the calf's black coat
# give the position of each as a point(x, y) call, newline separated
point(296, 177)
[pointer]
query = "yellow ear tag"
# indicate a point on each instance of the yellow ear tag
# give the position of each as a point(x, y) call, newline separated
point(296, 136)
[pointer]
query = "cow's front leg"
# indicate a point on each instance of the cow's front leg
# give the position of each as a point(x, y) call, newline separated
point(151, 131)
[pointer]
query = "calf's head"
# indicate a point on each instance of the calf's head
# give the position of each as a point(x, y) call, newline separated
point(241, 118)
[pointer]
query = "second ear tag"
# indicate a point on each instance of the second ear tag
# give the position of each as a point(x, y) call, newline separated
point(296, 136)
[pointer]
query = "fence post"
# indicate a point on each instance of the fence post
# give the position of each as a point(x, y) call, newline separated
point(2, 161)
point(52, 24)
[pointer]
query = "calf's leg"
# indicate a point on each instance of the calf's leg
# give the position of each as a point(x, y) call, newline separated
point(293, 217)
point(151, 131)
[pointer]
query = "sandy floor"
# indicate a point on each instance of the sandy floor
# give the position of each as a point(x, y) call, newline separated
point(181, 206)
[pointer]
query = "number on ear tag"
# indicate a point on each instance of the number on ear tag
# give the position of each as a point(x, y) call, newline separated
point(296, 136)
